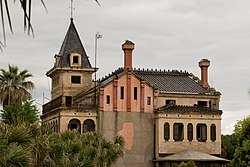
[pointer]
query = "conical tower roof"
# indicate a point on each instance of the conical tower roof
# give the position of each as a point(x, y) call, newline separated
point(72, 44)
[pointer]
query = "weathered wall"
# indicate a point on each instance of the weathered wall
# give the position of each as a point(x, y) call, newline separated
point(171, 147)
point(137, 130)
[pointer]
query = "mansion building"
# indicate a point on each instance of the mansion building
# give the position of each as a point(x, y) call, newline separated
point(165, 116)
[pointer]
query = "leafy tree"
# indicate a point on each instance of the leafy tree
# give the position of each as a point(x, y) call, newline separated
point(187, 164)
point(25, 112)
point(14, 86)
point(242, 151)
point(229, 144)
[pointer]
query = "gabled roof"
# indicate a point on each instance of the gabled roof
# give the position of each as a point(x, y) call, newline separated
point(165, 81)
point(190, 155)
point(187, 109)
point(72, 43)
point(172, 81)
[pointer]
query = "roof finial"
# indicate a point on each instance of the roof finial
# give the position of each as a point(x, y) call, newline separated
point(71, 9)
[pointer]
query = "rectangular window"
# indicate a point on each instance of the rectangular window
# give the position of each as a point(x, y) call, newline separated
point(122, 92)
point(178, 132)
point(201, 132)
point(75, 59)
point(108, 99)
point(76, 79)
point(68, 101)
point(135, 93)
point(202, 103)
point(170, 102)
point(149, 100)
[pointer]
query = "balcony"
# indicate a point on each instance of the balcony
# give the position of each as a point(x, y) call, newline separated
point(85, 104)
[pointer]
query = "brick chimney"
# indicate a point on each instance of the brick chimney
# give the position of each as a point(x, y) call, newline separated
point(204, 64)
point(128, 48)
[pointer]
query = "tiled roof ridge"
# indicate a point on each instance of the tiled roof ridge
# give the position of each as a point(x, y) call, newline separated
point(184, 73)
point(113, 73)
point(164, 71)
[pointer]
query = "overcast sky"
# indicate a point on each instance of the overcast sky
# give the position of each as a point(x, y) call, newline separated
point(169, 34)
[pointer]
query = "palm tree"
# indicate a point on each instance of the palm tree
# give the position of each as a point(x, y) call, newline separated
point(105, 152)
point(14, 86)
point(14, 145)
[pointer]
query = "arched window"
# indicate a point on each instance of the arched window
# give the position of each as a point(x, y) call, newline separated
point(166, 131)
point(88, 125)
point(190, 132)
point(213, 132)
point(178, 132)
point(75, 125)
point(201, 132)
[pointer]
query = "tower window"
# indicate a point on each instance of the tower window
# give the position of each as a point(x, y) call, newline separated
point(122, 92)
point(135, 93)
point(178, 132)
point(76, 79)
point(213, 132)
point(201, 131)
point(75, 59)
point(108, 99)
point(190, 132)
point(68, 101)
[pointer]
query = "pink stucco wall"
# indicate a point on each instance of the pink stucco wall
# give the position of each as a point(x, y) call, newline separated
point(128, 103)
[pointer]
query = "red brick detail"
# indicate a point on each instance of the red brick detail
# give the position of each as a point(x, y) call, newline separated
point(142, 95)
point(128, 91)
point(115, 90)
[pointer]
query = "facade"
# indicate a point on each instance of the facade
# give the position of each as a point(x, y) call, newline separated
point(159, 113)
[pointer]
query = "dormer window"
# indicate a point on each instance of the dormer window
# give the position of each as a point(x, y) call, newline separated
point(75, 60)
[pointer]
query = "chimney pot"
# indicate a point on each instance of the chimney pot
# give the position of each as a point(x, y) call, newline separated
point(128, 48)
point(204, 64)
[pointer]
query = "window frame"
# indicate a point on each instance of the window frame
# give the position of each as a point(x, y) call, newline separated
point(166, 129)
point(75, 57)
point(107, 99)
point(178, 131)
point(190, 132)
point(122, 92)
point(148, 100)
point(201, 132)
point(213, 132)
point(75, 79)
point(135, 93)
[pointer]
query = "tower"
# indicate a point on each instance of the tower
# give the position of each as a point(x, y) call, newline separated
point(71, 75)
point(72, 71)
